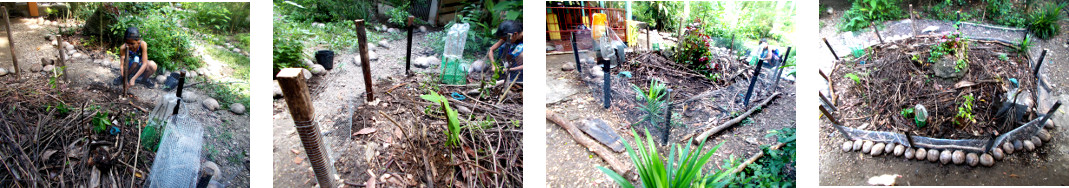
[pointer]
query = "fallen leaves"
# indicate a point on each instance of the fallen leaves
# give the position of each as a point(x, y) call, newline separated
point(364, 131)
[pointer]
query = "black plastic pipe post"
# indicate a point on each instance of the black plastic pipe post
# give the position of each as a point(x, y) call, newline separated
point(408, 50)
point(668, 117)
point(753, 81)
point(606, 64)
point(830, 49)
point(779, 70)
point(178, 92)
point(1039, 63)
point(575, 51)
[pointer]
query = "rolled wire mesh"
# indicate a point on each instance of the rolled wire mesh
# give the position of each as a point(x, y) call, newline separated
point(178, 158)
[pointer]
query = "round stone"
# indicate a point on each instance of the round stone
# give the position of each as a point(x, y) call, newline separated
point(877, 149)
point(237, 108)
point(890, 147)
point(1007, 147)
point(867, 148)
point(972, 159)
point(847, 146)
point(1017, 145)
point(909, 153)
point(997, 153)
point(945, 156)
point(899, 149)
point(1044, 135)
point(986, 160)
point(857, 145)
point(1035, 140)
point(958, 157)
point(1029, 146)
point(921, 154)
point(933, 155)
point(1049, 125)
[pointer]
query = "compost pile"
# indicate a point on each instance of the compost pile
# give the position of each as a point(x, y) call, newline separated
point(899, 76)
point(489, 152)
point(46, 137)
point(691, 92)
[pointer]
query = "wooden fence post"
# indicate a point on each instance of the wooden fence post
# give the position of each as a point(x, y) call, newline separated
point(295, 91)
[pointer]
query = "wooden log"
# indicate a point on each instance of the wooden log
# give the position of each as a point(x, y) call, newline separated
point(299, 101)
point(736, 120)
point(590, 144)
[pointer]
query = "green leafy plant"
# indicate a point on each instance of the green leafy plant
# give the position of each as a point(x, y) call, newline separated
point(1003, 57)
point(965, 113)
point(1044, 22)
point(655, 99)
point(857, 51)
point(1025, 45)
point(854, 77)
point(862, 12)
point(907, 112)
point(399, 15)
point(453, 123)
point(100, 122)
point(151, 134)
point(1004, 13)
point(695, 53)
point(682, 170)
point(954, 45)
point(772, 169)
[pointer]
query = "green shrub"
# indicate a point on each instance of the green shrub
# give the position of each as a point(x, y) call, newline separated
point(324, 10)
point(1044, 23)
point(399, 15)
point(682, 170)
point(1004, 13)
point(864, 11)
point(772, 170)
point(169, 44)
point(287, 52)
point(695, 54)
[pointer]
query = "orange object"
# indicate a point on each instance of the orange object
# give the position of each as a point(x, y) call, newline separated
point(33, 9)
point(599, 25)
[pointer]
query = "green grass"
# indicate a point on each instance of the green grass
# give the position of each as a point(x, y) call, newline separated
point(682, 170)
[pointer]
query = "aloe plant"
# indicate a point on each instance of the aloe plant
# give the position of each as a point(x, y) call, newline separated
point(683, 170)
point(453, 128)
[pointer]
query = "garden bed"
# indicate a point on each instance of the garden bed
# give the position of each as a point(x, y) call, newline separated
point(488, 150)
point(698, 101)
point(899, 76)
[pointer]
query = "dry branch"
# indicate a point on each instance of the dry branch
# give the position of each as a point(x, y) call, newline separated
point(755, 157)
point(589, 143)
point(736, 120)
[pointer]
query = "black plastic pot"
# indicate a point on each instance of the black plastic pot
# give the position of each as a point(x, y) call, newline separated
point(325, 58)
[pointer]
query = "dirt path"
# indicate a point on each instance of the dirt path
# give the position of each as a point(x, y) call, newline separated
point(226, 134)
point(335, 95)
point(1045, 166)
point(572, 165)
